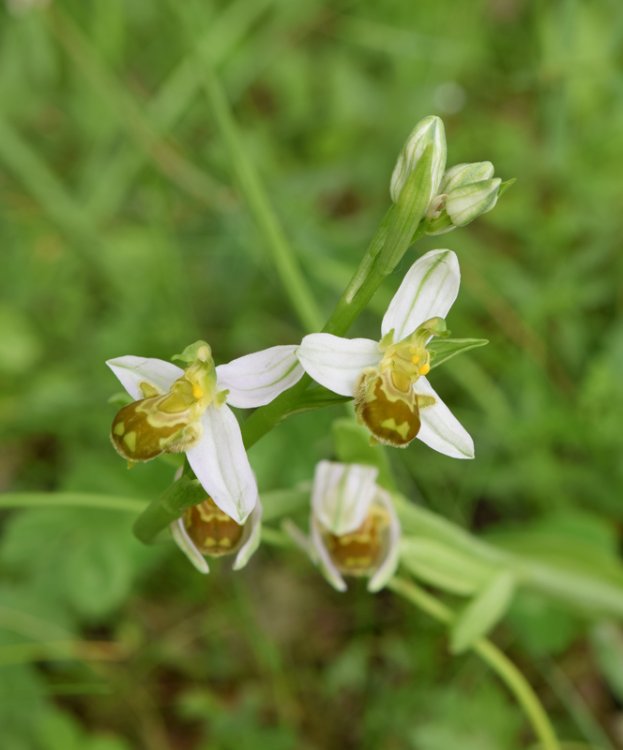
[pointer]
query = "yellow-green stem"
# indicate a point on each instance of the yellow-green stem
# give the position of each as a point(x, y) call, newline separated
point(492, 656)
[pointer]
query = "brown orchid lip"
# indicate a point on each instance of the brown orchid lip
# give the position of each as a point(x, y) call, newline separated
point(211, 530)
point(360, 551)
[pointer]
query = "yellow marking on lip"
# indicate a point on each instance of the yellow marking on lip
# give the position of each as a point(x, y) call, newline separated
point(402, 429)
point(119, 429)
point(197, 391)
point(425, 369)
point(130, 441)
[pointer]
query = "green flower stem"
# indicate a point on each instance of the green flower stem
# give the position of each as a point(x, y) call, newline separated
point(167, 508)
point(399, 229)
point(71, 500)
point(492, 656)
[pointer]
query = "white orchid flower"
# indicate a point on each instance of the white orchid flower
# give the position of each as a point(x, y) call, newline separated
point(187, 410)
point(387, 377)
point(205, 530)
point(354, 527)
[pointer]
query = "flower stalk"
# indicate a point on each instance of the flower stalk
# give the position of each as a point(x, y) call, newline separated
point(492, 656)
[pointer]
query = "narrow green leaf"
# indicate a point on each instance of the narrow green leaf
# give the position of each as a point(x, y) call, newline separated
point(442, 349)
point(482, 612)
point(443, 566)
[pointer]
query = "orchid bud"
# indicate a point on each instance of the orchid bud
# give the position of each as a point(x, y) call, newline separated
point(464, 174)
point(429, 131)
point(466, 192)
point(466, 203)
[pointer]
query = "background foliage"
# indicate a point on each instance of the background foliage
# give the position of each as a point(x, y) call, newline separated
point(121, 232)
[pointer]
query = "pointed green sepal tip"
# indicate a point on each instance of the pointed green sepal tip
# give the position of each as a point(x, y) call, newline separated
point(505, 185)
point(200, 351)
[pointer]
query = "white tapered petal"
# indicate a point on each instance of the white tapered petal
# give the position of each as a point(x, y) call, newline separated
point(336, 362)
point(132, 371)
point(440, 429)
point(388, 565)
point(323, 559)
point(250, 538)
point(220, 463)
point(342, 494)
point(427, 291)
point(258, 378)
point(186, 544)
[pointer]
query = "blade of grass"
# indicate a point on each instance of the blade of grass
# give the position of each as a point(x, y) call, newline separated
point(174, 97)
point(193, 181)
point(291, 276)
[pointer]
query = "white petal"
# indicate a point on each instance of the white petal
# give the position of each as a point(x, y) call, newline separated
point(132, 371)
point(220, 463)
point(427, 291)
point(440, 429)
point(342, 494)
point(258, 378)
point(388, 566)
point(186, 544)
point(329, 571)
point(250, 538)
point(337, 363)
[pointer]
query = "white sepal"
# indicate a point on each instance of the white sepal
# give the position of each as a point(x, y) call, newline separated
point(464, 174)
point(337, 363)
point(258, 378)
point(342, 494)
point(250, 538)
point(220, 463)
point(427, 291)
point(465, 204)
point(186, 544)
point(387, 567)
point(132, 371)
point(440, 429)
point(429, 131)
point(323, 559)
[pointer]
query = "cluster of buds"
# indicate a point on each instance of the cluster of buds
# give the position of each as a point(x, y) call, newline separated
point(458, 195)
point(353, 529)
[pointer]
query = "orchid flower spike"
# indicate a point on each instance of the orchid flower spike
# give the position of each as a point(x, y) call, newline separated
point(205, 530)
point(187, 410)
point(354, 527)
point(393, 398)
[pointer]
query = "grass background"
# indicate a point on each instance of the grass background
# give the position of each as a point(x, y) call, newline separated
point(121, 231)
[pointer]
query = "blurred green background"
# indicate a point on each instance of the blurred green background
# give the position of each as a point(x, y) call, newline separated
point(122, 232)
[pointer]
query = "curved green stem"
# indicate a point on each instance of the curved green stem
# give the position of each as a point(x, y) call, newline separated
point(71, 500)
point(492, 656)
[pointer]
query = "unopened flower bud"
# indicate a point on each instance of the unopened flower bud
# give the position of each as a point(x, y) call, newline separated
point(429, 131)
point(466, 203)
